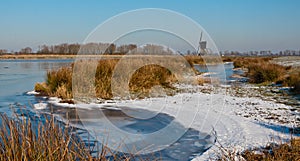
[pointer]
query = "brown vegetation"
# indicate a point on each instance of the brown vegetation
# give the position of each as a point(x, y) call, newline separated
point(293, 80)
point(21, 139)
point(150, 76)
point(274, 152)
point(265, 72)
point(261, 70)
point(283, 152)
point(194, 59)
point(59, 82)
point(244, 62)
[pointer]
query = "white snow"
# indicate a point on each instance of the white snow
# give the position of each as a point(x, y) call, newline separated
point(239, 122)
point(40, 106)
point(32, 93)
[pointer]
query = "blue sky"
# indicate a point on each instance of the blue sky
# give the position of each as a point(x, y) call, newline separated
point(240, 25)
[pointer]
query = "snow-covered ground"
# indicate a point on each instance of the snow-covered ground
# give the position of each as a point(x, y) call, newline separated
point(238, 122)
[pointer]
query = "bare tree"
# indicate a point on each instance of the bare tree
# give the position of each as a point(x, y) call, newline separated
point(3, 51)
point(26, 50)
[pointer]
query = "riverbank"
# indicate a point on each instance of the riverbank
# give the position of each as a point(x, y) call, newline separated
point(239, 122)
point(36, 56)
point(52, 56)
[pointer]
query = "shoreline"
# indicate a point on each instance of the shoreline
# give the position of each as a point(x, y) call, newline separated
point(251, 123)
point(35, 56)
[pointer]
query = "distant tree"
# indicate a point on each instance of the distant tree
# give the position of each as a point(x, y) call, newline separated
point(153, 49)
point(123, 49)
point(110, 49)
point(26, 50)
point(3, 51)
point(73, 48)
point(44, 49)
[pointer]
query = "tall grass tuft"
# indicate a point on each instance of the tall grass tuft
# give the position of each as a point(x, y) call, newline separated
point(26, 140)
point(244, 62)
point(20, 139)
point(103, 78)
point(194, 59)
point(293, 80)
point(283, 152)
point(150, 76)
point(59, 82)
point(260, 69)
point(265, 72)
point(274, 152)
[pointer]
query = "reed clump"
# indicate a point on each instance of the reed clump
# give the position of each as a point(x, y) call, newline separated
point(150, 76)
point(21, 139)
point(103, 78)
point(261, 70)
point(293, 80)
point(274, 152)
point(194, 59)
point(265, 72)
point(59, 82)
point(284, 152)
point(48, 139)
point(244, 62)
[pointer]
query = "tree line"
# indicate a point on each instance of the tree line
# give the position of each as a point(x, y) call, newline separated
point(92, 48)
point(110, 48)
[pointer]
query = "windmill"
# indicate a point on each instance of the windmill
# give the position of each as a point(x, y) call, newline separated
point(202, 46)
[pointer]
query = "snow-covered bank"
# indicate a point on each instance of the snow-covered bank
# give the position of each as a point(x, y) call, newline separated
point(252, 122)
point(238, 122)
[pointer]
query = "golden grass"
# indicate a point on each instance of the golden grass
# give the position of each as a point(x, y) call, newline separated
point(262, 70)
point(265, 72)
point(150, 76)
point(193, 59)
point(275, 152)
point(41, 88)
point(103, 78)
point(59, 82)
point(283, 152)
point(293, 80)
point(23, 140)
point(244, 62)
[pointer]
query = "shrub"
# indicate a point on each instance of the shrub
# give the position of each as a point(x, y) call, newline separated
point(149, 76)
point(244, 62)
point(227, 59)
point(59, 82)
point(283, 152)
point(238, 64)
point(273, 152)
point(63, 92)
point(293, 80)
point(103, 78)
point(41, 88)
point(265, 72)
point(57, 78)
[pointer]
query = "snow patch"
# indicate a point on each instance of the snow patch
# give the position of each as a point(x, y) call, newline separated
point(32, 93)
point(40, 106)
